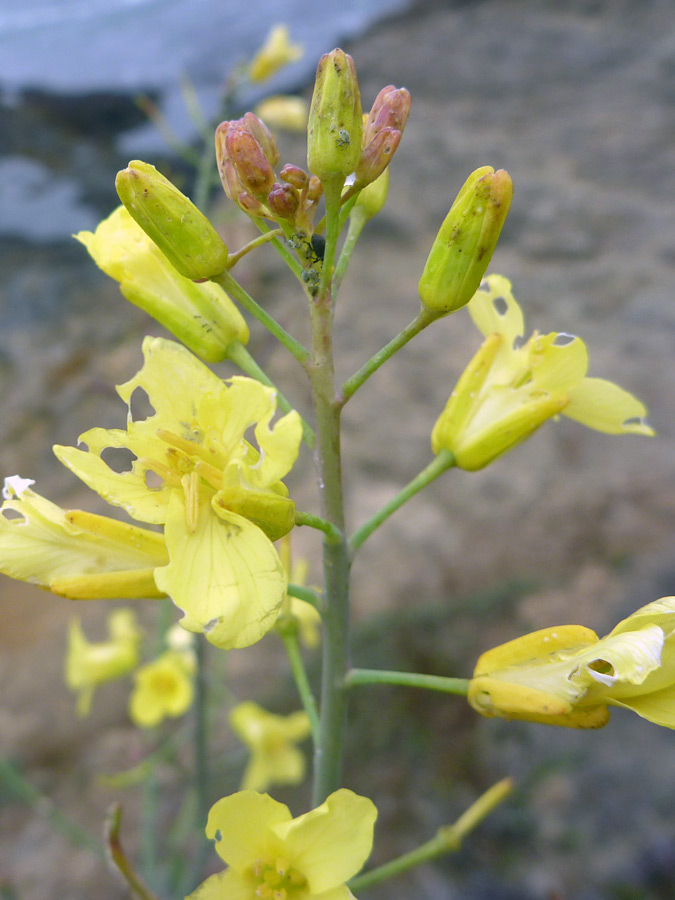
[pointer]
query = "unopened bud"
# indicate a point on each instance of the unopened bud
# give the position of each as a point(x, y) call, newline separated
point(376, 156)
point(263, 136)
point(466, 241)
point(283, 201)
point(183, 233)
point(390, 110)
point(248, 158)
point(335, 126)
point(294, 175)
point(314, 189)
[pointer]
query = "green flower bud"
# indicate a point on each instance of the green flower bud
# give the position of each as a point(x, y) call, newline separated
point(465, 242)
point(371, 199)
point(183, 233)
point(335, 127)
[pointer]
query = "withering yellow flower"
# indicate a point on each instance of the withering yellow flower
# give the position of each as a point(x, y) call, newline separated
point(568, 676)
point(508, 391)
point(163, 687)
point(201, 315)
point(90, 664)
point(73, 553)
point(275, 53)
point(270, 854)
point(220, 499)
point(271, 739)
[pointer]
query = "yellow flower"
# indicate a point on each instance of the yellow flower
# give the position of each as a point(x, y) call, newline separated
point(88, 665)
point(201, 315)
point(219, 498)
point(73, 553)
point(275, 53)
point(162, 688)
point(284, 112)
point(567, 676)
point(272, 856)
point(508, 391)
point(271, 739)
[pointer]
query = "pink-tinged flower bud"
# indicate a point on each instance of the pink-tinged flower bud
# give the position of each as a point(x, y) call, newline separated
point(376, 156)
point(247, 156)
point(390, 110)
point(294, 175)
point(180, 230)
point(314, 189)
point(263, 136)
point(335, 127)
point(283, 201)
point(466, 241)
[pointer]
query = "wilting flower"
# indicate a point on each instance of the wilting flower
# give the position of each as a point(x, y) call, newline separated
point(567, 676)
point(163, 687)
point(276, 52)
point(90, 664)
point(73, 553)
point(220, 499)
point(271, 739)
point(271, 855)
point(201, 315)
point(508, 391)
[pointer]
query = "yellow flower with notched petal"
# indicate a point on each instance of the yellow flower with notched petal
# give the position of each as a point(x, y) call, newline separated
point(271, 855)
point(508, 391)
point(201, 315)
point(567, 676)
point(275, 53)
point(73, 553)
point(163, 687)
point(90, 664)
point(220, 499)
point(271, 739)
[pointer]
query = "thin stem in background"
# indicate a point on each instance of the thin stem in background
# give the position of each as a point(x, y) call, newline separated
point(289, 635)
point(201, 751)
point(441, 463)
point(119, 858)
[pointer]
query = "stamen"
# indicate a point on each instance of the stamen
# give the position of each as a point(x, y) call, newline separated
point(191, 490)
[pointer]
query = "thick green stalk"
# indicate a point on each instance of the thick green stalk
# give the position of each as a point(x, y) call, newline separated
point(335, 598)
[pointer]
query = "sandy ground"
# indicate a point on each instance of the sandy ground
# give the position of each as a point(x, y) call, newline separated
point(577, 102)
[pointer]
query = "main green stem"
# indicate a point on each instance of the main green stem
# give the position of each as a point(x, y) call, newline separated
point(336, 555)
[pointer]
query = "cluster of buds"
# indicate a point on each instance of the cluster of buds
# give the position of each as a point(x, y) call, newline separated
point(247, 154)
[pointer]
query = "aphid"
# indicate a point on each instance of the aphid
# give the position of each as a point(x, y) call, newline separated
point(343, 139)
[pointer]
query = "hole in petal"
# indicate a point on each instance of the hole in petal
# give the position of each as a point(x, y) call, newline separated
point(140, 407)
point(635, 421)
point(500, 305)
point(518, 341)
point(12, 515)
point(563, 339)
point(602, 667)
point(153, 481)
point(119, 459)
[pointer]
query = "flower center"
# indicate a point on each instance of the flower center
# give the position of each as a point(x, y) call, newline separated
point(277, 881)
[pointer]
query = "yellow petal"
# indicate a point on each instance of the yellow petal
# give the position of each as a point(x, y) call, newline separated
point(606, 407)
point(661, 612)
point(656, 706)
point(558, 362)
point(226, 576)
point(331, 843)
point(494, 310)
point(226, 884)
point(534, 646)
point(242, 824)
point(163, 688)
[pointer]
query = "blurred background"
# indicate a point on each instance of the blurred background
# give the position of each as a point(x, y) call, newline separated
point(577, 101)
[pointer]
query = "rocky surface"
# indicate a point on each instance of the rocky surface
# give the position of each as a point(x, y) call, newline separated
point(577, 102)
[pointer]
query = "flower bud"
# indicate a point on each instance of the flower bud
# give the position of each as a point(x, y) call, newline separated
point(183, 233)
point(263, 136)
point(465, 242)
point(390, 110)
point(376, 156)
point(294, 175)
point(283, 201)
point(250, 161)
point(335, 126)
point(314, 189)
